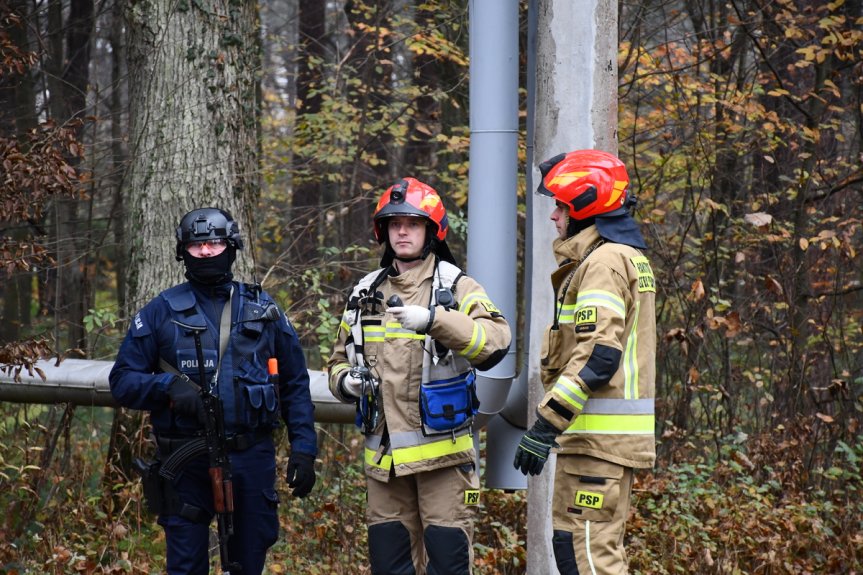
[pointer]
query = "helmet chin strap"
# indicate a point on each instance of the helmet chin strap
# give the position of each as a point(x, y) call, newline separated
point(408, 260)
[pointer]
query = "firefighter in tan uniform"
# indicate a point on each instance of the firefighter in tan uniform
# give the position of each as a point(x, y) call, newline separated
point(597, 363)
point(411, 335)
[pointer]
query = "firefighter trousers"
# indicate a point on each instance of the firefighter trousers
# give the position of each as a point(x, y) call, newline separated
point(589, 510)
point(422, 524)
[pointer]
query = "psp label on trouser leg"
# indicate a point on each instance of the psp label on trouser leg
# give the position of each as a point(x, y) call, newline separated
point(588, 499)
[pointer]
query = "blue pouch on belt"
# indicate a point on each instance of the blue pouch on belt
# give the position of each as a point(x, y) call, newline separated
point(449, 404)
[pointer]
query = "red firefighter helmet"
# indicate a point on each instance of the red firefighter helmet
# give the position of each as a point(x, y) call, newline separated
point(591, 182)
point(410, 197)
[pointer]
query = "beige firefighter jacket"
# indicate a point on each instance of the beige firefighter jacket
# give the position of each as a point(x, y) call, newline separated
point(598, 358)
point(474, 330)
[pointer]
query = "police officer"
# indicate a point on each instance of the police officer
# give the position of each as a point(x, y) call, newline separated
point(597, 362)
point(410, 336)
point(157, 370)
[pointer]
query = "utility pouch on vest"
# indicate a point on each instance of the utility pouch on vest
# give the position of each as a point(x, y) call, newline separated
point(448, 405)
point(160, 498)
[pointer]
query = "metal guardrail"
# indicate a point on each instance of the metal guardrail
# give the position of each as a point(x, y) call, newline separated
point(85, 382)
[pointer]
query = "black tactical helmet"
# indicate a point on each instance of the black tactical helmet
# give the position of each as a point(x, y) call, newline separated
point(207, 224)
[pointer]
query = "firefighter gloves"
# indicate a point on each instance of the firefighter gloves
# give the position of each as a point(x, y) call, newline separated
point(351, 385)
point(532, 451)
point(412, 317)
point(301, 473)
point(186, 399)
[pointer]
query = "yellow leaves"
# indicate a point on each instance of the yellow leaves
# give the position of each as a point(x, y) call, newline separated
point(696, 292)
point(716, 206)
point(433, 43)
point(742, 459)
point(811, 134)
point(730, 322)
point(693, 376)
point(773, 286)
point(793, 33)
point(824, 417)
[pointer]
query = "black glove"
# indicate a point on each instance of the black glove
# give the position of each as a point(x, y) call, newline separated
point(186, 399)
point(532, 450)
point(301, 473)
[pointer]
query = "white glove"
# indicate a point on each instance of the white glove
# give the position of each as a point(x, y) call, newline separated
point(352, 386)
point(412, 317)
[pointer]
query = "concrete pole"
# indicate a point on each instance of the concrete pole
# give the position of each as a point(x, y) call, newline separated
point(575, 108)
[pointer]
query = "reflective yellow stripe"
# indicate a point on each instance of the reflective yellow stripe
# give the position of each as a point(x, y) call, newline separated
point(373, 333)
point(566, 313)
point(385, 463)
point(612, 424)
point(630, 360)
point(472, 299)
point(476, 344)
point(340, 366)
point(396, 331)
point(570, 391)
point(343, 325)
point(431, 450)
point(601, 298)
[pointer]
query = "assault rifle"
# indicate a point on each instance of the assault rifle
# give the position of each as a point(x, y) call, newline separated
point(217, 452)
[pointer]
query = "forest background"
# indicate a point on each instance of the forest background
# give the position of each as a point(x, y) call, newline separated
point(741, 123)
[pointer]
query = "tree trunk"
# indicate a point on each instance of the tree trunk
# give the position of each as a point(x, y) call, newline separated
point(119, 153)
point(17, 96)
point(193, 129)
point(306, 202)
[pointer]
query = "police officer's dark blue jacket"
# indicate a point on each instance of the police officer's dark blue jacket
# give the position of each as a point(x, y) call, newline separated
point(250, 402)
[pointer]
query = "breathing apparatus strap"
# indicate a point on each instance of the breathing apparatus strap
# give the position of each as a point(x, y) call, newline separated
point(357, 327)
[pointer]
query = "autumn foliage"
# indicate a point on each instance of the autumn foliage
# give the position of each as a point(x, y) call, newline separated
point(740, 123)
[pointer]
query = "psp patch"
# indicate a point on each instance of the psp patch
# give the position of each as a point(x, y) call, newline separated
point(471, 497)
point(489, 307)
point(585, 319)
point(588, 499)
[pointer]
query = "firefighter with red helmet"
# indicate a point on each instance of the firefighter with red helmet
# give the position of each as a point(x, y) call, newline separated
point(411, 336)
point(597, 362)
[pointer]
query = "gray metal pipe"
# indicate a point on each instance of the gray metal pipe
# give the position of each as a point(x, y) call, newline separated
point(492, 208)
point(491, 247)
point(85, 382)
point(506, 430)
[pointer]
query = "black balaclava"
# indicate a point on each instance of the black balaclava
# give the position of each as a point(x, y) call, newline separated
point(210, 271)
point(573, 226)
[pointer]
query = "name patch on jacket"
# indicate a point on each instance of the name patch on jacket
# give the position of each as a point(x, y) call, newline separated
point(588, 499)
point(585, 319)
point(187, 361)
point(646, 281)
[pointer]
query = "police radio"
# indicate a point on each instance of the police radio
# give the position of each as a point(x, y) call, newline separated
point(254, 314)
